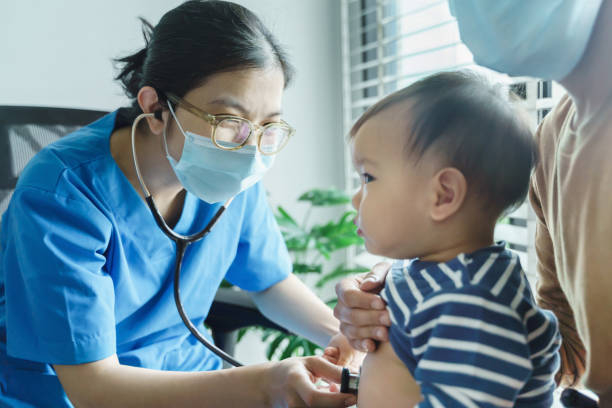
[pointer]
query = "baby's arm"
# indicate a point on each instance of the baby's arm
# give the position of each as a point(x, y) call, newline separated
point(385, 381)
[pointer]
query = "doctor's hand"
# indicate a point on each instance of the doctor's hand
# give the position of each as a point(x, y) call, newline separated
point(361, 311)
point(293, 383)
point(340, 352)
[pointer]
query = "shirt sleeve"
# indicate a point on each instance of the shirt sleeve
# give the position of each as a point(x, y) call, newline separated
point(549, 293)
point(262, 259)
point(59, 297)
point(470, 350)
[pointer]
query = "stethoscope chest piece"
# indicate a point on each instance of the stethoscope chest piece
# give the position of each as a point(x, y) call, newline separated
point(349, 383)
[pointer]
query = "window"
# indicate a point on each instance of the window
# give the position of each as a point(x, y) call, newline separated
point(544, 89)
point(387, 45)
point(519, 89)
point(542, 114)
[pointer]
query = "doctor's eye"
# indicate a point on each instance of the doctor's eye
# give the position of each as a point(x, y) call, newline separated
point(367, 177)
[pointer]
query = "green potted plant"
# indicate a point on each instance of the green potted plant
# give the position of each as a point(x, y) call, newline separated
point(311, 246)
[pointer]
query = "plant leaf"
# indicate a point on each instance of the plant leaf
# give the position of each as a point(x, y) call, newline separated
point(334, 236)
point(284, 219)
point(225, 284)
point(241, 333)
point(325, 198)
point(274, 344)
point(307, 268)
point(294, 343)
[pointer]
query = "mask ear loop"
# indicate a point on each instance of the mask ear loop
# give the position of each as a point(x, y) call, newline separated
point(179, 126)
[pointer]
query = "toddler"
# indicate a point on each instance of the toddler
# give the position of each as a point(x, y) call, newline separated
point(440, 161)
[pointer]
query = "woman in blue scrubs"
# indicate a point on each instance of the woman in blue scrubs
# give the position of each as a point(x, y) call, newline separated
point(87, 315)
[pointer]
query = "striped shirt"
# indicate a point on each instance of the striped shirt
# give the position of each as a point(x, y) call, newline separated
point(470, 333)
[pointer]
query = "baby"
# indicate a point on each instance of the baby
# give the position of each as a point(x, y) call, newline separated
point(440, 161)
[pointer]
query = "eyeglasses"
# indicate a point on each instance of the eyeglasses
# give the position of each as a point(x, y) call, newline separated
point(231, 132)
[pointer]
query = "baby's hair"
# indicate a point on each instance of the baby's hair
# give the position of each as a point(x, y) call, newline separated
point(475, 127)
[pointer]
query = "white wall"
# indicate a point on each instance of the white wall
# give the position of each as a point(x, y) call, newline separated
point(59, 53)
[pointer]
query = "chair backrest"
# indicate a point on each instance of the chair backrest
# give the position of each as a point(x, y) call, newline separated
point(24, 130)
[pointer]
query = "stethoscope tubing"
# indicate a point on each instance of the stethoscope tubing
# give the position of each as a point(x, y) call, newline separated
point(182, 242)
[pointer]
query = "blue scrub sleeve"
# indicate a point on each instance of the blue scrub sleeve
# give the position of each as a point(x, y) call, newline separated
point(59, 298)
point(262, 259)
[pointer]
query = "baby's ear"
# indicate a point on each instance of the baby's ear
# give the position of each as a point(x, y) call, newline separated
point(449, 188)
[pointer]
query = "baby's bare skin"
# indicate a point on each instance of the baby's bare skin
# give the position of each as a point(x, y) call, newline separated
point(387, 381)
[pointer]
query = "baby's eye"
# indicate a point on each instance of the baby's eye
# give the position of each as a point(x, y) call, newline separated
point(366, 177)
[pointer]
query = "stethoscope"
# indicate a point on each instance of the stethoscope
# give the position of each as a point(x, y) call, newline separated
point(182, 242)
point(349, 382)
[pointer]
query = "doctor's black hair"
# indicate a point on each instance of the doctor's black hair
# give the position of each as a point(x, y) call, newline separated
point(194, 41)
point(475, 127)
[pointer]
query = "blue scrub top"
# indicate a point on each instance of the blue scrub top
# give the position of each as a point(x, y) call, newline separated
point(86, 273)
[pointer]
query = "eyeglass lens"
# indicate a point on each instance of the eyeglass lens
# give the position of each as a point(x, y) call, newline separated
point(232, 131)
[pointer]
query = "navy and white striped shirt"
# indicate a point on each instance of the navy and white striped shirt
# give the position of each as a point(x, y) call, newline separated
point(470, 332)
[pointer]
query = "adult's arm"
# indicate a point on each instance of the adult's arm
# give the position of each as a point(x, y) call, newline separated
point(107, 383)
point(294, 306)
point(550, 295)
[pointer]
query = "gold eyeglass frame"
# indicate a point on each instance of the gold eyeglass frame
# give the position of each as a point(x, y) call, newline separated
point(214, 120)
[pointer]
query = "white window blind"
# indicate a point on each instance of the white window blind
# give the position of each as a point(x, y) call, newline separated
point(387, 45)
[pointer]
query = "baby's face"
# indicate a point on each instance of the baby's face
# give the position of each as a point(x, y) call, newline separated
point(393, 199)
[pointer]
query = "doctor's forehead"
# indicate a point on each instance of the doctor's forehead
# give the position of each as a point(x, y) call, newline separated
point(250, 91)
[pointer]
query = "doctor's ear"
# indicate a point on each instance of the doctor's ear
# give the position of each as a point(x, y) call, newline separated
point(449, 189)
point(149, 103)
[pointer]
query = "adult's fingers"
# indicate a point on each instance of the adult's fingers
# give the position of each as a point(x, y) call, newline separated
point(314, 397)
point(362, 317)
point(365, 345)
point(365, 332)
point(332, 354)
point(350, 295)
point(324, 369)
point(374, 280)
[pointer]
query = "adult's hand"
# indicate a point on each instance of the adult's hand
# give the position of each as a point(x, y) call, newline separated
point(340, 352)
point(361, 311)
point(290, 383)
point(293, 383)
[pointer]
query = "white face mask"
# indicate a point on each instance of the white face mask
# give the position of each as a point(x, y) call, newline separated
point(540, 38)
point(213, 174)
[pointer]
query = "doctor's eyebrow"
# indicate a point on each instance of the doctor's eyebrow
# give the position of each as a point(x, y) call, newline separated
point(230, 102)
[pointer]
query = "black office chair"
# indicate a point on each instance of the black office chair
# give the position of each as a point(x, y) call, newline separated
point(24, 130)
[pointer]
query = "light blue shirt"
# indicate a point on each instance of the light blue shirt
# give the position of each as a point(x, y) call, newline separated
point(86, 273)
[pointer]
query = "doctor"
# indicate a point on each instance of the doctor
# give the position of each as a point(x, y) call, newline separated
point(87, 315)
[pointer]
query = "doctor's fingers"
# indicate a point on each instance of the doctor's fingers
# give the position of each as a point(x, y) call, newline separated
point(315, 397)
